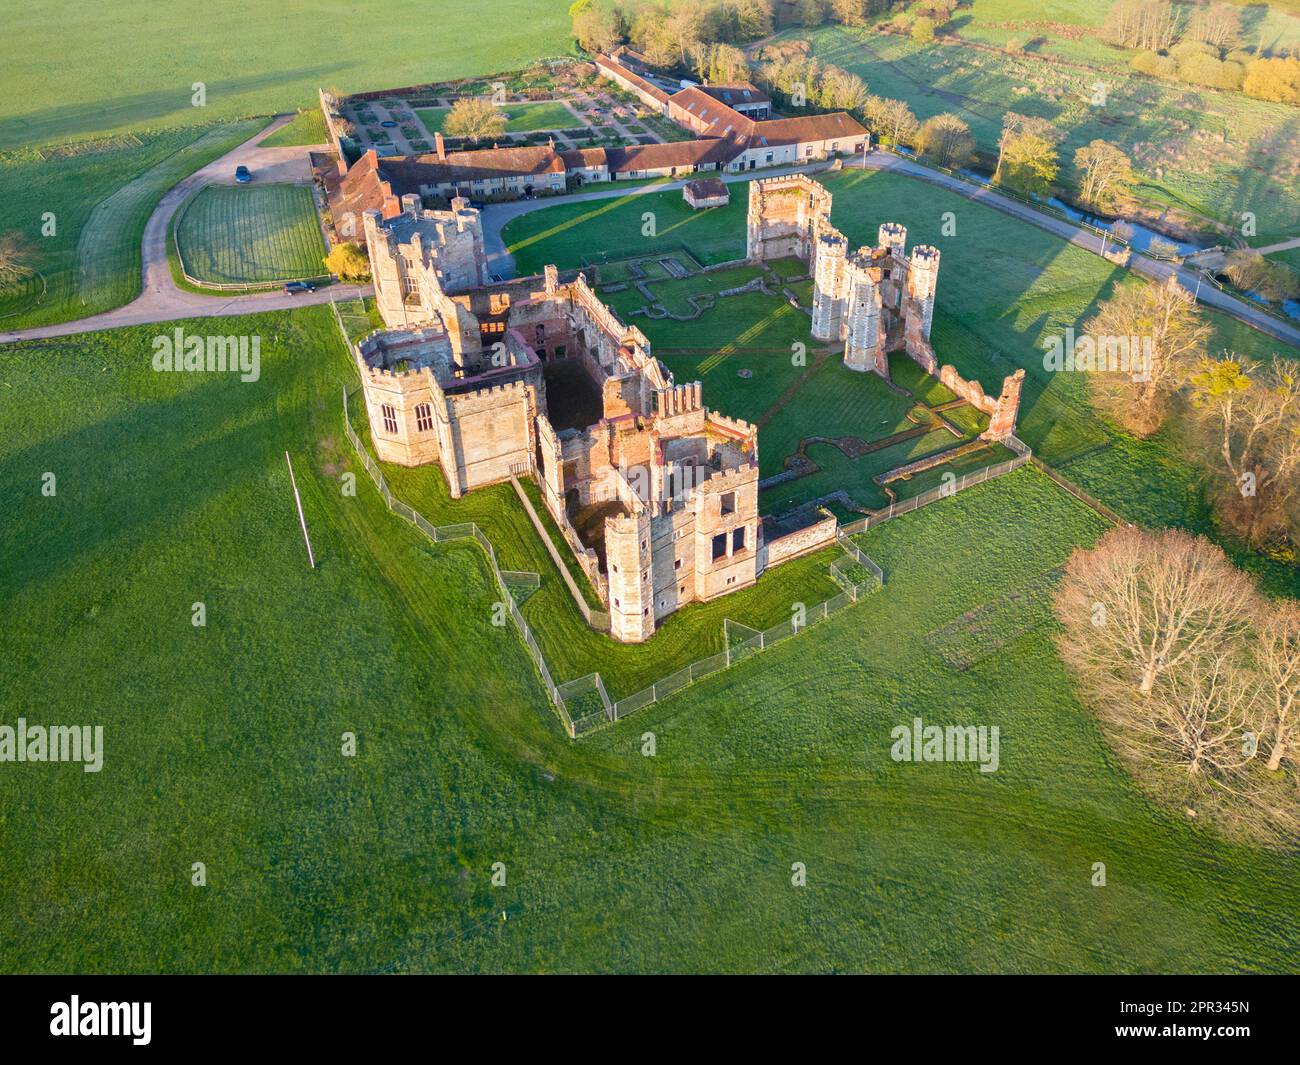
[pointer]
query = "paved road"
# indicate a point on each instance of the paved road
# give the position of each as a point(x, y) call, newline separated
point(1151, 268)
point(500, 261)
point(160, 300)
point(1212, 259)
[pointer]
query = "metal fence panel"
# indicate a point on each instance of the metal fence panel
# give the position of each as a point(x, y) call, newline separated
point(629, 703)
point(665, 686)
point(705, 666)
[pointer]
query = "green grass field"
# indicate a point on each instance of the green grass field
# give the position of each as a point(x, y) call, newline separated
point(306, 128)
point(1216, 153)
point(563, 234)
point(223, 740)
point(250, 234)
point(252, 58)
point(99, 196)
point(222, 743)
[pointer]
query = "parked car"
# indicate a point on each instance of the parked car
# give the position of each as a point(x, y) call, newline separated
point(294, 287)
point(243, 175)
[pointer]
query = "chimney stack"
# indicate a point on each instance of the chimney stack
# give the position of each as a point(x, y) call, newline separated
point(439, 149)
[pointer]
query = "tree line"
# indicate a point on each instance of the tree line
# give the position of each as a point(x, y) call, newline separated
point(1193, 674)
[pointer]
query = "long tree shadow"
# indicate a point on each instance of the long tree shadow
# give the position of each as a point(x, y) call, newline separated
point(183, 451)
point(70, 121)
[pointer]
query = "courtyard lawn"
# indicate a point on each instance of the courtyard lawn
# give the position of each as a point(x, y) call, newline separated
point(98, 195)
point(563, 234)
point(250, 234)
point(748, 334)
point(222, 741)
point(836, 402)
point(520, 118)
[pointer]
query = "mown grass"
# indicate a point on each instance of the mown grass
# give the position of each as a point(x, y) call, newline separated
point(232, 234)
point(222, 743)
point(563, 233)
point(97, 202)
point(252, 58)
point(306, 128)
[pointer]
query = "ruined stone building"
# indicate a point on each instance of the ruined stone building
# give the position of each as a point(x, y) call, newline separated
point(656, 494)
point(875, 300)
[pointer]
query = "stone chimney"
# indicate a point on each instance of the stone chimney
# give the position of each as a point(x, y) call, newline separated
point(439, 148)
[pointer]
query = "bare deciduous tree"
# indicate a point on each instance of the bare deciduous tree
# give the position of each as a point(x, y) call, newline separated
point(1150, 24)
point(1204, 718)
point(1105, 177)
point(1163, 319)
point(1191, 676)
point(474, 118)
point(1251, 417)
point(1140, 606)
point(891, 119)
point(1278, 657)
point(946, 139)
point(17, 257)
point(1218, 25)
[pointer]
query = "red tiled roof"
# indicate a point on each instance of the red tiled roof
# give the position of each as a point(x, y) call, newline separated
point(584, 157)
point(631, 75)
point(737, 95)
point(675, 153)
point(833, 126)
point(707, 188)
point(409, 172)
point(722, 120)
point(362, 188)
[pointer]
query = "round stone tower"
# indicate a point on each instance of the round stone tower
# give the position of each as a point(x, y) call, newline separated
point(828, 286)
point(892, 236)
point(922, 281)
point(864, 347)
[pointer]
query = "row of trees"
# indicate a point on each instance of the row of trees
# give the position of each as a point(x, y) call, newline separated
point(1243, 416)
point(673, 33)
point(1194, 676)
point(1199, 45)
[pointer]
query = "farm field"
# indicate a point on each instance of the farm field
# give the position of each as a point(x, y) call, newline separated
point(252, 58)
point(521, 118)
point(233, 234)
point(100, 195)
point(1005, 287)
point(1214, 153)
point(172, 490)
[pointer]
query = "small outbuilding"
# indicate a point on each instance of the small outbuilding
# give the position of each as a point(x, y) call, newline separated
point(706, 192)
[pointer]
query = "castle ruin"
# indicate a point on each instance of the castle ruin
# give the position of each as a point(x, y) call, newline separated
point(873, 300)
point(656, 494)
